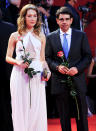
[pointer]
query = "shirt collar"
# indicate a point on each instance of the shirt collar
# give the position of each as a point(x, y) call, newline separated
point(68, 32)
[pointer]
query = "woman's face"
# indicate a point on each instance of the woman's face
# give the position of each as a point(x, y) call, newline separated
point(31, 18)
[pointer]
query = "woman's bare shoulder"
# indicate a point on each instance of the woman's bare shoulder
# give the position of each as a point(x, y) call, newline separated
point(15, 36)
point(42, 37)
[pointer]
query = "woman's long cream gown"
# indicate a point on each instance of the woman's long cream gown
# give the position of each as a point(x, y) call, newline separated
point(28, 117)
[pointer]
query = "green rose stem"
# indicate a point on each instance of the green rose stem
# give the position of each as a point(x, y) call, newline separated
point(73, 93)
point(25, 71)
point(30, 92)
point(29, 71)
point(77, 107)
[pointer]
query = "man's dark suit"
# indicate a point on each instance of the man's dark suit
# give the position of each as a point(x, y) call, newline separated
point(80, 57)
point(76, 17)
point(5, 108)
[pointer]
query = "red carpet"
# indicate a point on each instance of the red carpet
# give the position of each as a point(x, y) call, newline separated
point(54, 124)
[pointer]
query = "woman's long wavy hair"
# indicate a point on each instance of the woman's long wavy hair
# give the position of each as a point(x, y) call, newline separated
point(22, 23)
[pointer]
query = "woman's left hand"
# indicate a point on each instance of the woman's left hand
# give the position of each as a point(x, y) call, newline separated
point(48, 77)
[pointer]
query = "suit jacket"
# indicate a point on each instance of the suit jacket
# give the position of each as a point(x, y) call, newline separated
point(79, 56)
point(11, 14)
point(5, 30)
point(5, 107)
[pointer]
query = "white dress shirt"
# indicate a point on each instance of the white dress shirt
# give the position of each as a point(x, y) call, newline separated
point(68, 37)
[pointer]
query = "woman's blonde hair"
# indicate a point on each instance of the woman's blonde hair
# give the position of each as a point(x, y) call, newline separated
point(22, 23)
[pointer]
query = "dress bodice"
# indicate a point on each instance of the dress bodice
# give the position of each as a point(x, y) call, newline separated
point(31, 44)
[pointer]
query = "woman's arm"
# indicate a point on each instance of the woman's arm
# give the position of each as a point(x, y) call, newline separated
point(9, 56)
point(10, 49)
point(42, 54)
point(90, 75)
point(43, 42)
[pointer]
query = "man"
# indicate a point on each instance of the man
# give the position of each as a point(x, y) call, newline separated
point(77, 24)
point(76, 21)
point(79, 57)
point(12, 11)
point(5, 108)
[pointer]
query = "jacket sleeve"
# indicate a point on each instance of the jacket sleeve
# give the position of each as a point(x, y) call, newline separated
point(86, 54)
point(49, 55)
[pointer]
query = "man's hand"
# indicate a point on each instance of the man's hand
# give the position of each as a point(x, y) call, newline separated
point(72, 71)
point(63, 69)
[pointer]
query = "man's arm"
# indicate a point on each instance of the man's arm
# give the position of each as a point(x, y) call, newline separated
point(49, 55)
point(86, 55)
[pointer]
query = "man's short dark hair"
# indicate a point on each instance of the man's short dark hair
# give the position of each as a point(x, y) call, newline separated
point(64, 10)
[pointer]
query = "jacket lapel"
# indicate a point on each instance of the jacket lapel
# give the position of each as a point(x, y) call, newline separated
point(72, 43)
point(58, 42)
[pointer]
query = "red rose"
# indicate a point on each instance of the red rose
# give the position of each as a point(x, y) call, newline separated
point(60, 54)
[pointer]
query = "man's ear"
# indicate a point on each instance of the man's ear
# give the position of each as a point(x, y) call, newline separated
point(57, 20)
point(71, 20)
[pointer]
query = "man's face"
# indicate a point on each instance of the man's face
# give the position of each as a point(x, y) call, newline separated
point(64, 21)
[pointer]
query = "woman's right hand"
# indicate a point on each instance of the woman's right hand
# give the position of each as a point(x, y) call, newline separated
point(21, 64)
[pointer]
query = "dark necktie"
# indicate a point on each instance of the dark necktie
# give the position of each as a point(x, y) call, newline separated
point(65, 46)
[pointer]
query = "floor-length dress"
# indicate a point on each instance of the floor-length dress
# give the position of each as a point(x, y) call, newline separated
point(28, 117)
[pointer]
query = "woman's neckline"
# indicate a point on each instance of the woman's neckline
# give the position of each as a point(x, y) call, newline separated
point(32, 33)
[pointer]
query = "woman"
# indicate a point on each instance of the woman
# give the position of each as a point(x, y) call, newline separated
point(28, 94)
point(91, 94)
